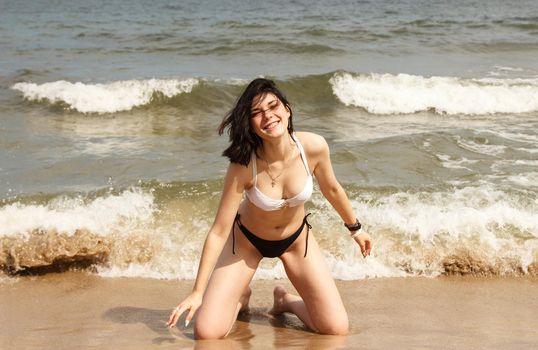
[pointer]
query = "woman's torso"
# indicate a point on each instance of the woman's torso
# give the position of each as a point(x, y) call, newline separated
point(280, 223)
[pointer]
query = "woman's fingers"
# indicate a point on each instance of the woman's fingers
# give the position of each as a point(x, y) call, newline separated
point(361, 245)
point(363, 248)
point(368, 246)
point(189, 316)
point(191, 303)
point(171, 319)
point(365, 244)
point(176, 313)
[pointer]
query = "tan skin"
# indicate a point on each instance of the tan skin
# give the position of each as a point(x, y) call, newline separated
point(223, 279)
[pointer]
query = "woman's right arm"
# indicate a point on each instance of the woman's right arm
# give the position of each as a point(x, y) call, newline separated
point(234, 184)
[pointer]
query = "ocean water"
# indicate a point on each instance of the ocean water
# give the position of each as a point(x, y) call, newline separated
point(109, 154)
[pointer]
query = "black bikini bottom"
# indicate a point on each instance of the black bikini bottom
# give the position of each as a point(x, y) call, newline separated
point(267, 248)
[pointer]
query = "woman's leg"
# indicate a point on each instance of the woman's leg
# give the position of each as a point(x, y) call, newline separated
point(319, 305)
point(228, 289)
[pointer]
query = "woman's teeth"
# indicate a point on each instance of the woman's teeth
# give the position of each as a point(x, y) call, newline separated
point(270, 126)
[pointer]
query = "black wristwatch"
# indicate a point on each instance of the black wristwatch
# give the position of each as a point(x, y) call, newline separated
point(354, 227)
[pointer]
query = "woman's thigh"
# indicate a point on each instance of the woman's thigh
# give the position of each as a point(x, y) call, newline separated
point(228, 282)
point(311, 277)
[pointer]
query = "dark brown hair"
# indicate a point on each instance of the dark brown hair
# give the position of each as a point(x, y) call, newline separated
point(243, 139)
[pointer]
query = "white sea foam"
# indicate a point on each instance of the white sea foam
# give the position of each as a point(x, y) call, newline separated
point(525, 180)
point(141, 271)
point(4, 280)
point(448, 162)
point(234, 81)
point(472, 212)
point(352, 268)
point(483, 147)
point(515, 136)
point(504, 170)
point(104, 98)
point(270, 269)
point(403, 93)
point(529, 162)
point(509, 69)
point(355, 267)
point(417, 231)
point(101, 216)
point(413, 232)
point(528, 150)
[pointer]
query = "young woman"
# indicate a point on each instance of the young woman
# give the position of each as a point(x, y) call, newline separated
point(273, 166)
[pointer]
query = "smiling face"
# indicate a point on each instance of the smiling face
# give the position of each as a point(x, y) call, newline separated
point(269, 116)
point(261, 113)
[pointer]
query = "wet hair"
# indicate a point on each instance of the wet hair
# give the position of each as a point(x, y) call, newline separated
point(243, 139)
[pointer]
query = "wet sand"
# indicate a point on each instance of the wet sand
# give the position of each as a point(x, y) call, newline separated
point(78, 310)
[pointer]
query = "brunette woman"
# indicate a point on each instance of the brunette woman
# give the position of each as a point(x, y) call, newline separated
point(262, 214)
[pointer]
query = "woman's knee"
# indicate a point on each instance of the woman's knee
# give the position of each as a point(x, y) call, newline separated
point(336, 326)
point(207, 326)
point(209, 330)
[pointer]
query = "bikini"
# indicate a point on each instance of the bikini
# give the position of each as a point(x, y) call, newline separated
point(275, 248)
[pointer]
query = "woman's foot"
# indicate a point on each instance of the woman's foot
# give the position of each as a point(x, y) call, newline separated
point(278, 305)
point(245, 299)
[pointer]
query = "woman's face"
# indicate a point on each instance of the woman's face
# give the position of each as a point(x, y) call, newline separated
point(269, 116)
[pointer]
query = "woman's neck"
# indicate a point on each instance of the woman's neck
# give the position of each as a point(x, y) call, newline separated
point(277, 150)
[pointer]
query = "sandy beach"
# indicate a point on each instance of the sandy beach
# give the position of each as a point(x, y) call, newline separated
point(77, 310)
point(111, 166)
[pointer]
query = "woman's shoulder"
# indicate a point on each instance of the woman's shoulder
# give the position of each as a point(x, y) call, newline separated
point(243, 173)
point(312, 143)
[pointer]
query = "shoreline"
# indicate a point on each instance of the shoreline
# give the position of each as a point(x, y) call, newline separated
point(82, 310)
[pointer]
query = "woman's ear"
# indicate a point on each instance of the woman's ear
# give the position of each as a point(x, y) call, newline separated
point(288, 108)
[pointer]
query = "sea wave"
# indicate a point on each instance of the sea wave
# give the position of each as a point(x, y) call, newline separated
point(69, 214)
point(191, 94)
point(478, 230)
point(156, 231)
point(376, 93)
point(104, 98)
point(70, 231)
point(404, 93)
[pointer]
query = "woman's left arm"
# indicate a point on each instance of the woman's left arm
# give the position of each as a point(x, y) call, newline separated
point(332, 190)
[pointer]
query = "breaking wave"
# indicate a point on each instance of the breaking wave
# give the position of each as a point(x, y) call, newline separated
point(158, 232)
point(404, 93)
point(376, 93)
point(104, 98)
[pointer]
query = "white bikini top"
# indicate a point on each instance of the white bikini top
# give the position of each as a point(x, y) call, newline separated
point(264, 202)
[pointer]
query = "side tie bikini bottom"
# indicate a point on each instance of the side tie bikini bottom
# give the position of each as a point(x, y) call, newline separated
point(269, 248)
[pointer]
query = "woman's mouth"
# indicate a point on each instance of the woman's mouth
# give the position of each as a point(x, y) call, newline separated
point(271, 125)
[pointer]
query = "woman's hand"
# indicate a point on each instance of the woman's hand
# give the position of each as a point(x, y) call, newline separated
point(191, 303)
point(365, 242)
